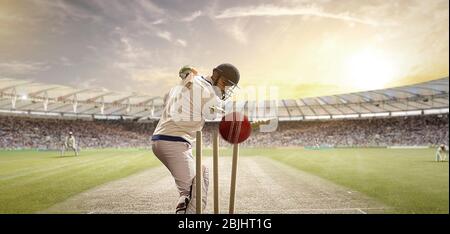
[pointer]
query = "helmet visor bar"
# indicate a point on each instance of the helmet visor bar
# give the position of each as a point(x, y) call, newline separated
point(229, 90)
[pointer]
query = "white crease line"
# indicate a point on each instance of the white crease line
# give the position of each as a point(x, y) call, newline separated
point(359, 209)
point(362, 212)
point(253, 211)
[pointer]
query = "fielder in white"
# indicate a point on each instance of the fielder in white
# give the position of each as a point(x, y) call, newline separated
point(70, 143)
point(441, 153)
point(187, 106)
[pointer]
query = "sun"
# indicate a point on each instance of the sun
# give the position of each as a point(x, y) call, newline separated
point(369, 69)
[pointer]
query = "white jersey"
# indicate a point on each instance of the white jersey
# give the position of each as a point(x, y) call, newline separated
point(442, 150)
point(70, 141)
point(186, 108)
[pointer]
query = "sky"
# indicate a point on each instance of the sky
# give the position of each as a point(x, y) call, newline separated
point(301, 47)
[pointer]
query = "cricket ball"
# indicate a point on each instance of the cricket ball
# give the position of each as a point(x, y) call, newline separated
point(235, 128)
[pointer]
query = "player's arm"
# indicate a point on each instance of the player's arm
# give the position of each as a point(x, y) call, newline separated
point(166, 97)
point(213, 108)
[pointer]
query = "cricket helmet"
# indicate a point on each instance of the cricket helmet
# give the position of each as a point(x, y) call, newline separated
point(231, 75)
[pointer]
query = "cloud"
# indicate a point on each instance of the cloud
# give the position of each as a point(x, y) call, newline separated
point(8, 17)
point(144, 42)
point(168, 37)
point(237, 31)
point(153, 74)
point(137, 67)
point(65, 61)
point(275, 11)
point(128, 50)
point(85, 83)
point(93, 48)
point(129, 54)
point(64, 10)
point(158, 21)
point(22, 68)
point(150, 7)
point(192, 17)
point(182, 42)
point(165, 35)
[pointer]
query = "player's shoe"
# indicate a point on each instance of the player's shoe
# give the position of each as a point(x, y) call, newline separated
point(183, 203)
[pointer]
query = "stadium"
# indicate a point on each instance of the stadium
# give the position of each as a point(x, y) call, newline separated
point(364, 152)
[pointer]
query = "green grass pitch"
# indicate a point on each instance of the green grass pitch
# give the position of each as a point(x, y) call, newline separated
point(407, 180)
point(31, 181)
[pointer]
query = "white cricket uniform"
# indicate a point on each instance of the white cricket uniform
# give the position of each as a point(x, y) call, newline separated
point(441, 154)
point(185, 111)
point(70, 143)
point(186, 108)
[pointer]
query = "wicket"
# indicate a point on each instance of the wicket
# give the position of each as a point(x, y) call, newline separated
point(198, 160)
point(198, 172)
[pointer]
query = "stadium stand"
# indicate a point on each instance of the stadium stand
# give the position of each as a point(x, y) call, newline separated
point(427, 130)
point(39, 133)
point(38, 116)
point(32, 98)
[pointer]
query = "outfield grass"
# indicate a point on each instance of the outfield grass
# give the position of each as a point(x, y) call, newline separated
point(31, 181)
point(407, 180)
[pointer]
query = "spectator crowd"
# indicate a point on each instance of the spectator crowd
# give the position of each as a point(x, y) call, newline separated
point(38, 133)
point(426, 130)
point(47, 133)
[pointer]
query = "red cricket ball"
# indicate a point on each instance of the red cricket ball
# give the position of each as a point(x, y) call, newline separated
point(235, 128)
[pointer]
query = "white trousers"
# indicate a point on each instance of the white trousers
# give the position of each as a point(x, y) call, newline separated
point(441, 156)
point(64, 148)
point(177, 157)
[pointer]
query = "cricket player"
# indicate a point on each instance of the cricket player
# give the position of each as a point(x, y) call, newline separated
point(187, 106)
point(70, 143)
point(441, 153)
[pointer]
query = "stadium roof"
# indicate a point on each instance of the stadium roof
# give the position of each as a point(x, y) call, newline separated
point(428, 97)
point(29, 97)
point(35, 97)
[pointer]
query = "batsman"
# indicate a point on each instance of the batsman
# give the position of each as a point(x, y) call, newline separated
point(186, 107)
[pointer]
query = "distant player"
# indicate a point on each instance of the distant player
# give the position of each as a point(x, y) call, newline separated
point(70, 143)
point(441, 153)
point(186, 107)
